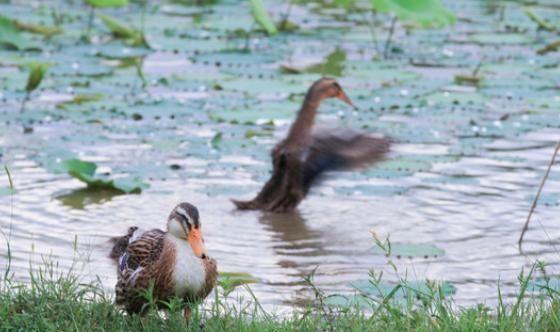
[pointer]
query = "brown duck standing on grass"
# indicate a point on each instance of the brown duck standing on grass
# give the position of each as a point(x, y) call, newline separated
point(175, 262)
point(303, 156)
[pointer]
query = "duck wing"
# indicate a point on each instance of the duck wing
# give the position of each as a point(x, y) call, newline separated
point(137, 265)
point(341, 150)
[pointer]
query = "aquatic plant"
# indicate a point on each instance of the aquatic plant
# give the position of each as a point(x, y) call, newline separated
point(423, 13)
point(85, 172)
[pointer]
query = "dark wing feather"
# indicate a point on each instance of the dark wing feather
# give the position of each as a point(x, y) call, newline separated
point(138, 254)
point(145, 250)
point(341, 150)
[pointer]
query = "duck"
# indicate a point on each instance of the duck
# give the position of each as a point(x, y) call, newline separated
point(301, 158)
point(174, 262)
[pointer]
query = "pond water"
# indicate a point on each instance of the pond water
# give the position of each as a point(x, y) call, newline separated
point(464, 168)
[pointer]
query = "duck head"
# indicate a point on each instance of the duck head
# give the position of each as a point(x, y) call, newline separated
point(329, 88)
point(184, 223)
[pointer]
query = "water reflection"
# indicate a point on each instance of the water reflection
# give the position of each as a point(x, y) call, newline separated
point(293, 241)
point(80, 198)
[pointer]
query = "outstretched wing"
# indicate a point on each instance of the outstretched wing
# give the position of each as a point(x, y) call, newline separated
point(341, 150)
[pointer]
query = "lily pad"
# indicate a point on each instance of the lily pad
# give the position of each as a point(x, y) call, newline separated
point(10, 35)
point(349, 301)
point(500, 38)
point(260, 113)
point(405, 288)
point(544, 285)
point(5, 191)
point(85, 172)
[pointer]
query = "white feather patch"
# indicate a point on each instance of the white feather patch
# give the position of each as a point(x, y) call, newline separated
point(182, 212)
point(136, 235)
point(188, 273)
point(134, 275)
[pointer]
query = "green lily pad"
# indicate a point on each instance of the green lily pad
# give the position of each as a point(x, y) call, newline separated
point(260, 113)
point(455, 98)
point(5, 191)
point(349, 301)
point(500, 38)
point(544, 285)
point(85, 172)
point(405, 289)
point(10, 35)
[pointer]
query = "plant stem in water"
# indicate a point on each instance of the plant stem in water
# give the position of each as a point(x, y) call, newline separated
point(389, 37)
point(25, 99)
point(533, 206)
point(90, 21)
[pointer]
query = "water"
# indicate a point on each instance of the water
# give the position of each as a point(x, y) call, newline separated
point(461, 176)
point(477, 226)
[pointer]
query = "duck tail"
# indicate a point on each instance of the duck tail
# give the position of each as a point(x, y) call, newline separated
point(245, 205)
point(120, 243)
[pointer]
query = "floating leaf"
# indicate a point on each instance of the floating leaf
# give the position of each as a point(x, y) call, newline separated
point(10, 36)
point(4, 191)
point(552, 47)
point(82, 99)
point(349, 301)
point(261, 16)
point(107, 3)
point(85, 172)
point(544, 285)
point(411, 250)
point(500, 38)
point(405, 288)
point(266, 112)
point(426, 13)
point(38, 29)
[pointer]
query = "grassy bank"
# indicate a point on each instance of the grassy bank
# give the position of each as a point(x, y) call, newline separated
point(59, 302)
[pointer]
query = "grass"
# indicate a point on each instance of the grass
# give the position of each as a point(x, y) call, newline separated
point(59, 302)
point(55, 301)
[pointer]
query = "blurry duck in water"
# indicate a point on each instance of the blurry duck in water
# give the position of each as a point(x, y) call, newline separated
point(303, 156)
point(175, 262)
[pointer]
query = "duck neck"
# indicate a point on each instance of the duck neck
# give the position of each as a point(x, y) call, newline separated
point(301, 128)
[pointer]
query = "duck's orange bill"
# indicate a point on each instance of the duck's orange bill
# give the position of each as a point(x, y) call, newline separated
point(196, 242)
point(342, 96)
